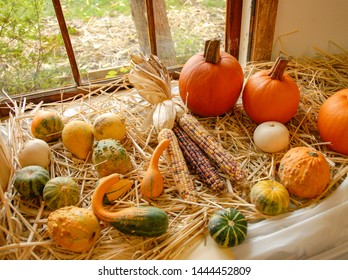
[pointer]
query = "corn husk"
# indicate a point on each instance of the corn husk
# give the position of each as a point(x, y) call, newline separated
point(151, 79)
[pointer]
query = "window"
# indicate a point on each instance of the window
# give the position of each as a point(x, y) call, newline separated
point(52, 48)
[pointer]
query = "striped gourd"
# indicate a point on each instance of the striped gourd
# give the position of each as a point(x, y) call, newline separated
point(270, 197)
point(47, 125)
point(228, 227)
point(30, 180)
point(60, 192)
point(211, 147)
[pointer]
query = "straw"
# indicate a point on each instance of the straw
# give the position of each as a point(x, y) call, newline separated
point(23, 229)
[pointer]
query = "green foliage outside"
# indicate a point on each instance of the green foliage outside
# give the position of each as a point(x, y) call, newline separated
point(25, 51)
point(28, 56)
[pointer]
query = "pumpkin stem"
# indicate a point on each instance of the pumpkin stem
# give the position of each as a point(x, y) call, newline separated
point(212, 51)
point(277, 71)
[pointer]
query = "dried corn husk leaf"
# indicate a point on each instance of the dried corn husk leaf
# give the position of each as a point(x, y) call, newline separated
point(151, 79)
point(164, 115)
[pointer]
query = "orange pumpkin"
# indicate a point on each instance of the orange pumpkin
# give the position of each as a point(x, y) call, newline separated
point(333, 121)
point(271, 95)
point(210, 82)
point(304, 171)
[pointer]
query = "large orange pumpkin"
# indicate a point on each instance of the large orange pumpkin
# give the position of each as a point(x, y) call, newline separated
point(333, 121)
point(271, 95)
point(211, 81)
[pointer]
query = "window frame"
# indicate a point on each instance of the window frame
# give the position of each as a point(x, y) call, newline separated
point(261, 32)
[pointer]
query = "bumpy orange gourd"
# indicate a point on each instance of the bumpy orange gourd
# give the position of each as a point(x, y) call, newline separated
point(333, 121)
point(271, 95)
point(74, 228)
point(210, 82)
point(305, 172)
point(47, 125)
point(151, 185)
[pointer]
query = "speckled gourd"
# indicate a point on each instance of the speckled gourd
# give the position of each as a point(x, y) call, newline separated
point(305, 172)
point(109, 156)
point(74, 228)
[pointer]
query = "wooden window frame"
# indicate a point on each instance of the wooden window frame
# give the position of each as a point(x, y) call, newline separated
point(261, 37)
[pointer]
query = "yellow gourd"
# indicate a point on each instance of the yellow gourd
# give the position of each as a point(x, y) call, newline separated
point(151, 185)
point(78, 139)
point(35, 152)
point(109, 125)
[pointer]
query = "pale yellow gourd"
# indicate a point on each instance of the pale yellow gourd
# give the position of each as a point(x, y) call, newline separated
point(35, 152)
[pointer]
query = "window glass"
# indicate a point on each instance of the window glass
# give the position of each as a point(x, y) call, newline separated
point(32, 57)
point(191, 22)
point(102, 34)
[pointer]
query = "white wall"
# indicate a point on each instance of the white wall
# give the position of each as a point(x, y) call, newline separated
point(304, 24)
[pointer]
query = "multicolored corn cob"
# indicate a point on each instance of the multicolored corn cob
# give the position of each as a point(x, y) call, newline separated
point(179, 168)
point(211, 147)
point(199, 162)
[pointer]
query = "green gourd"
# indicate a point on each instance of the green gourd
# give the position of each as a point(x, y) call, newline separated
point(109, 156)
point(30, 180)
point(228, 227)
point(60, 192)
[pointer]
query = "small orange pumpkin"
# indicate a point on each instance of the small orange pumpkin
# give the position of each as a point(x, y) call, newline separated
point(210, 82)
point(271, 95)
point(304, 171)
point(47, 125)
point(333, 121)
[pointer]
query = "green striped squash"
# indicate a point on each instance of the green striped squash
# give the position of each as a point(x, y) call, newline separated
point(270, 197)
point(47, 125)
point(60, 192)
point(30, 180)
point(146, 221)
point(228, 227)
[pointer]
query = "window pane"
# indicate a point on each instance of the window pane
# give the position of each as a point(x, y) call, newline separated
point(31, 56)
point(191, 23)
point(102, 34)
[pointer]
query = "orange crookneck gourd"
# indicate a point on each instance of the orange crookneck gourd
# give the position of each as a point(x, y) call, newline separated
point(151, 185)
point(147, 221)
